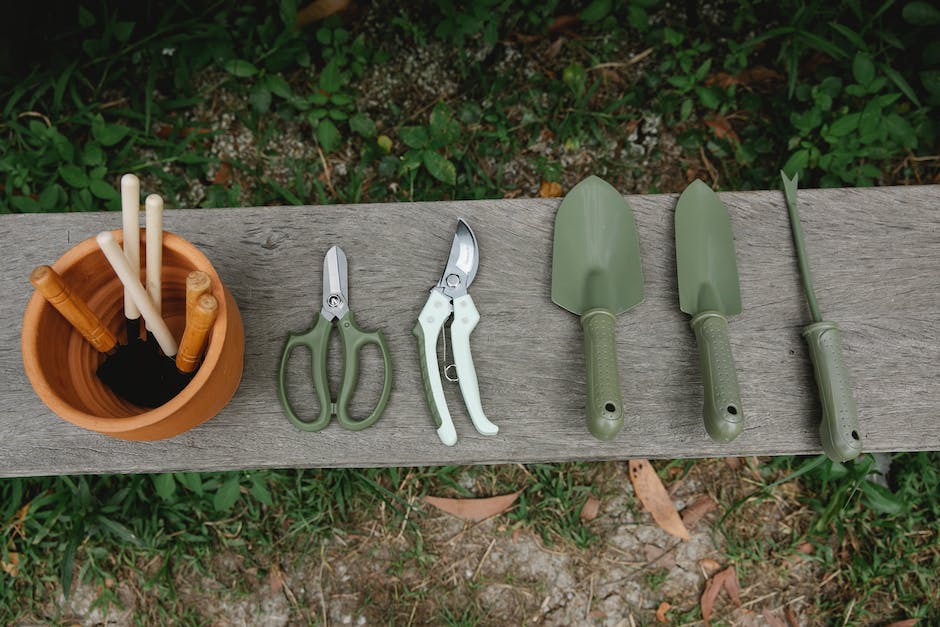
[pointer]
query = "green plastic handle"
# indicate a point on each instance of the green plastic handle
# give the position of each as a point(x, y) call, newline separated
point(604, 398)
point(353, 340)
point(839, 427)
point(724, 419)
point(317, 339)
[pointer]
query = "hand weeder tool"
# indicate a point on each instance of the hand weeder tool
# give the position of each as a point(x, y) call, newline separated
point(448, 297)
point(839, 427)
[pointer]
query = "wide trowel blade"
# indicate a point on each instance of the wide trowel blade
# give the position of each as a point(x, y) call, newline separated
point(705, 260)
point(596, 251)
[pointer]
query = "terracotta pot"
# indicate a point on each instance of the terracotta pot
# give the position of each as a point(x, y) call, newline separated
point(61, 365)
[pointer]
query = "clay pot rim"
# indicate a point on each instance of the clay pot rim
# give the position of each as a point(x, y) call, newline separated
point(109, 426)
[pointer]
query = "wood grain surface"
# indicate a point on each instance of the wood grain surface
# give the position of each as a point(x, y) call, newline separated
point(875, 255)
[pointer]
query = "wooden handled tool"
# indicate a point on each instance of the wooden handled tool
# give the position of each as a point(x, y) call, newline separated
point(198, 323)
point(197, 284)
point(131, 281)
point(154, 272)
point(53, 288)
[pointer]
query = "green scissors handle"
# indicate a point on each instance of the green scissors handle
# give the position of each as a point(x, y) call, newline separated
point(317, 340)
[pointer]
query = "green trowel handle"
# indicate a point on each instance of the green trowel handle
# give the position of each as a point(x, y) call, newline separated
point(604, 399)
point(724, 419)
point(839, 427)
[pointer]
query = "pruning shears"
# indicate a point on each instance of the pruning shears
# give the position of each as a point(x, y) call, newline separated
point(450, 298)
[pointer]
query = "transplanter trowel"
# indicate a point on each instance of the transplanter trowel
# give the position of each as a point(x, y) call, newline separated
point(596, 274)
point(709, 292)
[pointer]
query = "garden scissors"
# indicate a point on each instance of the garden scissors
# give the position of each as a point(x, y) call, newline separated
point(317, 339)
point(448, 297)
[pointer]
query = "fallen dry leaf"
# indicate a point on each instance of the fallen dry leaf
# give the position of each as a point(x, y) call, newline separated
point(733, 462)
point(223, 176)
point(791, 616)
point(905, 623)
point(318, 10)
point(11, 565)
point(550, 189)
point(552, 51)
point(164, 131)
point(276, 579)
point(722, 128)
point(773, 621)
point(694, 512)
point(563, 22)
point(709, 565)
point(649, 489)
point(759, 74)
point(474, 509)
point(590, 509)
point(661, 612)
point(805, 547)
point(726, 580)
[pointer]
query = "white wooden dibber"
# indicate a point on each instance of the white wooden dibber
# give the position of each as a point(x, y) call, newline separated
point(130, 214)
point(131, 281)
point(154, 207)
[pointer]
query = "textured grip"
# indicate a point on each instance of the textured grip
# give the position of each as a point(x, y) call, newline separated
point(604, 399)
point(839, 427)
point(724, 419)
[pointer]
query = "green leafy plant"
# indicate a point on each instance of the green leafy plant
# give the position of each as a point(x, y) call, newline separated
point(429, 146)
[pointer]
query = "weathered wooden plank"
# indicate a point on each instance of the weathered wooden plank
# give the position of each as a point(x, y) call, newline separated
point(875, 254)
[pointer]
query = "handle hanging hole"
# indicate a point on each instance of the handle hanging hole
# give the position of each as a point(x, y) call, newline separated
point(610, 407)
point(732, 410)
point(855, 435)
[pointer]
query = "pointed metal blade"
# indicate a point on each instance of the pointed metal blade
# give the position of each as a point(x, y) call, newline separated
point(335, 287)
point(463, 262)
point(596, 250)
point(705, 259)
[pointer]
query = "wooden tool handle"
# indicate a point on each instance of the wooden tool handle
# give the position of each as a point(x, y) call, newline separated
point(197, 332)
point(130, 219)
point(154, 221)
point(50, 284)
point(197, 284)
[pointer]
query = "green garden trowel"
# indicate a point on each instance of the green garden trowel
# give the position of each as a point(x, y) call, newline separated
point(839, 426)
point(709, 292)
point(596, 274)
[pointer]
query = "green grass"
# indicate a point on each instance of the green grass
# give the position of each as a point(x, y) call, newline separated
point(880, 545)
point(112, 525)
point(845, 94)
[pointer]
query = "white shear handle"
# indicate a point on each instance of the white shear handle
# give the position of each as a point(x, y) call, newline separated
point(466, 318)
point(435, 313)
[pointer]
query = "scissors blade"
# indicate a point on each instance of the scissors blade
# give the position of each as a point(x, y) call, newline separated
point(335, 286)
point(463, 262)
